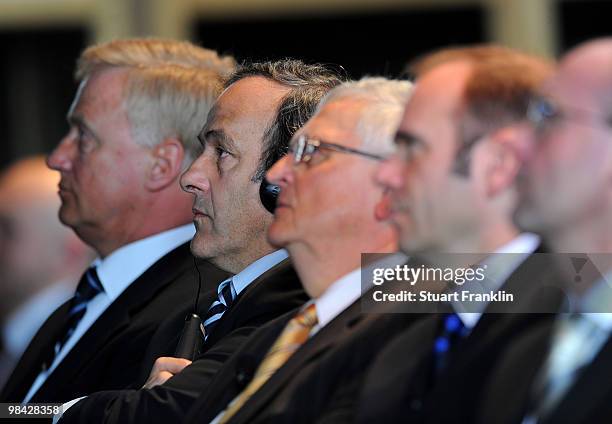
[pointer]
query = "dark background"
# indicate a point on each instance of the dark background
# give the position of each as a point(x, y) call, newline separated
point(36, 85)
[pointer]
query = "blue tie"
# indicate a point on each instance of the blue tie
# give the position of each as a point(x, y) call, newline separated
point(226, 294)
point(453, 330)
point(89, 286)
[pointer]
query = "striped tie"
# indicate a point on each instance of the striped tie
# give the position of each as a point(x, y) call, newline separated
point(88, 288)
point(226, 296)
point(295, 334)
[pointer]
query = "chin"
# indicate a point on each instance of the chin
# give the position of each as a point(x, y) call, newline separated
point(67, 217)
point(277, 237)
point(198, 247)
point(528, 218)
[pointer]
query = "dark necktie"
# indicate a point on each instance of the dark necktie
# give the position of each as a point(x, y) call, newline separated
point(453, 330)
point(89, 286)
point(226, 294)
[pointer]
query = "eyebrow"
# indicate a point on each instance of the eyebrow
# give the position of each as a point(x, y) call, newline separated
point(221, 138)
point(79, 120)
point(406, 138)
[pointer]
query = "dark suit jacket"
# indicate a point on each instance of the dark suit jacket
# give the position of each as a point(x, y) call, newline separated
point(508, 395)
point(274, 293)
point(587, 401)
point(108, 355)
point(318, 382)
point(401, 384)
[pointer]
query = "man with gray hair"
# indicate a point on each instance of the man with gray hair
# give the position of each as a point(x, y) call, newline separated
point(305, 367)
point(132, 132)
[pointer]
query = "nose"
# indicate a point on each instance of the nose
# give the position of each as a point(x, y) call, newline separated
point(389, 174)
point(61, 158)
point(195, 179)
point(281, 172)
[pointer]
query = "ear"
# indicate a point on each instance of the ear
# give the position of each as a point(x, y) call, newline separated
point(505, 162)
point(167, 160)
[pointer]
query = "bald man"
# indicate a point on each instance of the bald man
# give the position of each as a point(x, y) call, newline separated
point(40, 259)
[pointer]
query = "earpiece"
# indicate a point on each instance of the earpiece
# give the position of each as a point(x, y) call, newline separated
point(268, 193)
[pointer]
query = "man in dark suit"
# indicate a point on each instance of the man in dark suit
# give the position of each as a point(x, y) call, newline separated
point(452, 189)
point(289, 370)
point(120, 164)
point(560, 372)
point(247, 130)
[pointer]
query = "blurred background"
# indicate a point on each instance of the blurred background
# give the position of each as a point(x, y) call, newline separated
point(40, 40)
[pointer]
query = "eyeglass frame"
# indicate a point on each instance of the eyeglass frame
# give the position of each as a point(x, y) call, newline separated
point(540, 118)
point(302, 155)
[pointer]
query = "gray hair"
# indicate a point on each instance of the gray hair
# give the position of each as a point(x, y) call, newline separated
point(171, 86)
point(384, 102)
point(307, 84)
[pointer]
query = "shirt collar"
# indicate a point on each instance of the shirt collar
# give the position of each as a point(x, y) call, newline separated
point(119, 269)
point(245, 277)
point(346, 290)
point(500, 265)
point(523, 243)
point(598, 299)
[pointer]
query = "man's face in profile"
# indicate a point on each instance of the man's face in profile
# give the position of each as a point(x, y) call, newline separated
point(102, 168)
point(326, 195)
point(228, 214)
point(567, 167)
point(430, 202)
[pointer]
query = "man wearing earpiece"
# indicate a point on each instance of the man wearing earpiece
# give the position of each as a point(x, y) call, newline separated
point(306, 366)
point(247, 130)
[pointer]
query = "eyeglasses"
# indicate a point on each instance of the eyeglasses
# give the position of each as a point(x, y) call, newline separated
point(543, 112)
point(304, 148)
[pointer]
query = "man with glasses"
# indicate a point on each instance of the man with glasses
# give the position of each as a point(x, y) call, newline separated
point(452, 191)
point(561, 373)
point(292, 369)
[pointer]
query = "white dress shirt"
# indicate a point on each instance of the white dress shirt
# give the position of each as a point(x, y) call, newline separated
point(346, 290)
point(116, 272)
point(499, 267)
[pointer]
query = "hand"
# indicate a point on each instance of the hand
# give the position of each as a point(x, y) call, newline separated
point(163, 369)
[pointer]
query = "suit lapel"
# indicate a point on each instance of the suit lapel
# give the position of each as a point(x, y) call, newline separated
point(117, 317)
point(31, 361)
point(321, 342)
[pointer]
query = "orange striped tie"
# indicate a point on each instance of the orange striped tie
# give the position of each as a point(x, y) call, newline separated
point(296, 332)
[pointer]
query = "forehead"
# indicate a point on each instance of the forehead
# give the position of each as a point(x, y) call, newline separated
point(101, 91)
point(245, 110)
point(434, 108)
point(336, 122)
point(581, 78)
